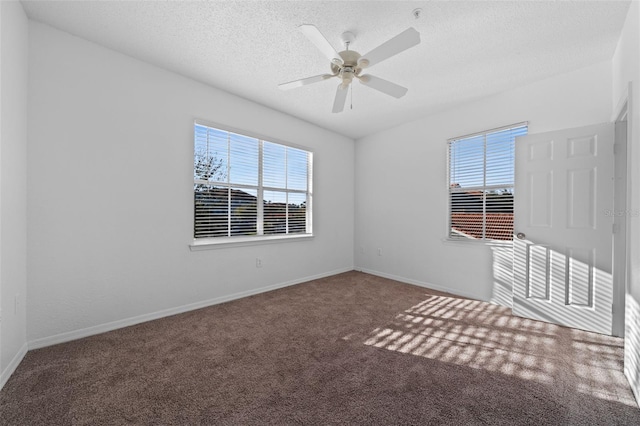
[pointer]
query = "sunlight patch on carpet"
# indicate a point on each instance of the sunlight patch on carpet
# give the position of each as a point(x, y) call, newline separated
point(480, 335)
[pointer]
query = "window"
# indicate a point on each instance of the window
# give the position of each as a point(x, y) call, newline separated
point(246, 186)
point(481, 175)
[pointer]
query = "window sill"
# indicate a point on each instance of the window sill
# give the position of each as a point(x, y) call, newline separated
point(226, 242)
point(477, 243)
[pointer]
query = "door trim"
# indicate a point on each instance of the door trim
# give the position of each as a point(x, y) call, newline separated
point(620, 247)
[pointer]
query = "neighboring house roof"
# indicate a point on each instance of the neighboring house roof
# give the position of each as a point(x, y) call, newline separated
point(499, 226)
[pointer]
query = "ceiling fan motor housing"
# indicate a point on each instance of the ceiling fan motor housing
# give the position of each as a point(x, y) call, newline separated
point(349, 68)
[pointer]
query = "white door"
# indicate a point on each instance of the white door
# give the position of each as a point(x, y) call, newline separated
point(563, 227)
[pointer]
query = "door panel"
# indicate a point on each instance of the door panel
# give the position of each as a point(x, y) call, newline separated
point(538, 277)
point(562, 264)
point(540, 191)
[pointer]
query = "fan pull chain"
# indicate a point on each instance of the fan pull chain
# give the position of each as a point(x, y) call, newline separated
point(351, 86)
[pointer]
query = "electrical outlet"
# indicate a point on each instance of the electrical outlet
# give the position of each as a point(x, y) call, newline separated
point(379, 251)
point(16, 304)
point(258, 262)
point(362, 249)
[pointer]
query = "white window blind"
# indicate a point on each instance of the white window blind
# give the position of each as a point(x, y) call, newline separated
point(481, 176)
point(245, 186)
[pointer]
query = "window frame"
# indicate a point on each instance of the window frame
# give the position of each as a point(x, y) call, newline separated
point(240, 240)
point(484, 240)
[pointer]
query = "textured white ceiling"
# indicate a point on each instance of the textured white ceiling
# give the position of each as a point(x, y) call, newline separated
point(469, 49)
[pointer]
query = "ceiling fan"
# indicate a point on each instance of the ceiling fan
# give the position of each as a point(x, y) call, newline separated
point(348, 64)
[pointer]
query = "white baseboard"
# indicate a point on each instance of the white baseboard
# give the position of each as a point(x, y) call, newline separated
point(632, 345)
point(110, 326)
point(420, 283)
point(17, 359)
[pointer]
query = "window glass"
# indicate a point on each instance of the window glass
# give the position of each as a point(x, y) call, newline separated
point(245, 186)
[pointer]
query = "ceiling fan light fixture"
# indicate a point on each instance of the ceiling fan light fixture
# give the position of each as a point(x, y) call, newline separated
point(347, 78)
point(363, 63)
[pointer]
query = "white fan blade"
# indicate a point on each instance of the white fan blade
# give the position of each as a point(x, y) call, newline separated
point(304, 81)
point(341, 98)
point(383, 86)
point(316, 37)
point(399, 43)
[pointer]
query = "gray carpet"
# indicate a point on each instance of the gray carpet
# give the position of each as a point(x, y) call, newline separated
point(348, 349)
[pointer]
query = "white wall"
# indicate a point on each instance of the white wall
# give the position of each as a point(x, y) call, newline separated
point(626, 68)
point(110, 204)
point(401, 184)
point(13, 188)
